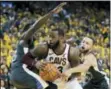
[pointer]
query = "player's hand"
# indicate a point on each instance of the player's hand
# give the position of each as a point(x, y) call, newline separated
point(58, 8)
point(40, 65)
point(66, 75)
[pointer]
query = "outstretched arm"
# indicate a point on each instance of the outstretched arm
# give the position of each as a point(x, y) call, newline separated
point(74, 60)
point(40, 22)
point(89, 61)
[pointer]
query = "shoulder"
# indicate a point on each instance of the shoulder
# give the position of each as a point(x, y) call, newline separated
point(74, 56)
point(42, 47)
point(40, 50)
point(74, 51)
point(90, 57)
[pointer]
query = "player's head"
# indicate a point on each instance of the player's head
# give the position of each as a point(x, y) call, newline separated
point(86, 44)
point(56, 36)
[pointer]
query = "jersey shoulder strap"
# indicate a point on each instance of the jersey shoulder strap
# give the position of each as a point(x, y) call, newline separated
point(66, 49)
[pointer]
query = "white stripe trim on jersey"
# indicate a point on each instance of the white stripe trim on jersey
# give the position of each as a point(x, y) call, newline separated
point(107, 80)
point(25, 50)
point(105, 76)
point(43, 83)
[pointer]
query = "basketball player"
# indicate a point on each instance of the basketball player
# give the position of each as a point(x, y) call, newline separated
point(21, 77)
point(55, 51)
point(95, 79)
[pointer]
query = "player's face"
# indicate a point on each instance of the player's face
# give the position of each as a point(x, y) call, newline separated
point(53, 39)
point(86, 44)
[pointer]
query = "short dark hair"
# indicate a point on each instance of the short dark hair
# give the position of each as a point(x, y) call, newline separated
point(92, 39)
point(60, 31)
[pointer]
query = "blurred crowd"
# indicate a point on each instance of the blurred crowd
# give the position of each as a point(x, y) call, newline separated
point(78, 19)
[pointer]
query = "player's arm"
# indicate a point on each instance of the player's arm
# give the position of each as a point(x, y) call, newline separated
point(74, 59)
point(32, 58)
point(82, 67)
point(73, 56)
point(40, 22)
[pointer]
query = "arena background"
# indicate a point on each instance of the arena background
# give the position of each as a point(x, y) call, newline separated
point(78, 19)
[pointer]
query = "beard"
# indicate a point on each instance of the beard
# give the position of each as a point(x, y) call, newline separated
point(53, 46)
point(83, 50)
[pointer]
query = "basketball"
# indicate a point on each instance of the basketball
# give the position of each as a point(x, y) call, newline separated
point(50, 72)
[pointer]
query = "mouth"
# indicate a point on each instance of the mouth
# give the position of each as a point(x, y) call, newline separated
point(82, 47)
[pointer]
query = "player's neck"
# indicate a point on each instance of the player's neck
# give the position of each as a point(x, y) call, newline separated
point(87, 52)
point(60, 49)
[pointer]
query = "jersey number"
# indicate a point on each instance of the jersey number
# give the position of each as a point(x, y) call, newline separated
point(60, 69)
